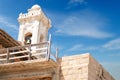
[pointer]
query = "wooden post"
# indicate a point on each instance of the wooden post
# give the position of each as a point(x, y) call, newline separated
point(29, 58)
point(8, 55)
point(49, 47)
point(56, 54)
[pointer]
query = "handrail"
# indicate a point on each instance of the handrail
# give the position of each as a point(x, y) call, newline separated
point(28, 51)
point(18, 57)
point(41, 43)
point(12, 53)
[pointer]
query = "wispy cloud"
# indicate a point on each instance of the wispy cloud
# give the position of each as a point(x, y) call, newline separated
point(75, 47)
point(84, 23)
point(113, 44)
point(82, 48)
point(6, 23)
point(90, 48)
point(76, 1)
point(114, 55)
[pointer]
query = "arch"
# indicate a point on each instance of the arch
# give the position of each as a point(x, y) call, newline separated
point(28, 34)
point(28, 37)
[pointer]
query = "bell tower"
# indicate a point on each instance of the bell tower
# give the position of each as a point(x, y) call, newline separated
point(34, 26)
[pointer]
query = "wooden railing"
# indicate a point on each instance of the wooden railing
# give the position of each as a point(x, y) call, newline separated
point(28, 52)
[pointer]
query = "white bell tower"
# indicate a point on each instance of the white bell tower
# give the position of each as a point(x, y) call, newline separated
point(33, 25)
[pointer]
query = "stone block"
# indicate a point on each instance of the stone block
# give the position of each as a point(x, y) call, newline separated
point(82, 67)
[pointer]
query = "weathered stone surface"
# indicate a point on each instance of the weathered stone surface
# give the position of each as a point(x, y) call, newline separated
point(28, 69)
point(74, 67)
point(96, 71)
point(26, 65)
point(82, 67)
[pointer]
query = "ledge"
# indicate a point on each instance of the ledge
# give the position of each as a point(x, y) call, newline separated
point(27, 65)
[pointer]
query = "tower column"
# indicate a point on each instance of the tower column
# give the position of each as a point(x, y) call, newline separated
point(35, 33)
point(21, 34)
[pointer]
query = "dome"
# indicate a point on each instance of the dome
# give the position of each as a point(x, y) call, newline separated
point(35, 7)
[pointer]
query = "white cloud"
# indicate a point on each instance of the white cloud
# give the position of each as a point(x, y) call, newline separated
point(90, 48)
point(113, 44)
point(75, 47)
point(82, 48)
point(114, 55)
point(77, 1)
point(84, 23)
point(6, 23)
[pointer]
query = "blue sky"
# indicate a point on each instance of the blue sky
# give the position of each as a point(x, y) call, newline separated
point(78, 26)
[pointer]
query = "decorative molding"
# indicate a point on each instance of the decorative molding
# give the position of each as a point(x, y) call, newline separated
point(35, 13)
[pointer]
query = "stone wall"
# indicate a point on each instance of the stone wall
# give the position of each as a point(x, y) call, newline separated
point(74, 67)
point(29, 70)
point(82, 67)
point(96, 71)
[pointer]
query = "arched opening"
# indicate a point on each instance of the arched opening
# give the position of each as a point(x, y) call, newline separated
point(28, 37)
